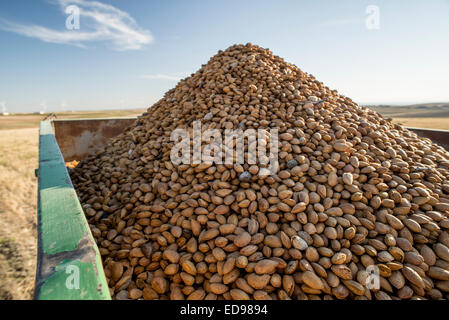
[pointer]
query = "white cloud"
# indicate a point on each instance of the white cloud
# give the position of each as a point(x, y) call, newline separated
point(161, 77)
point(98, 22)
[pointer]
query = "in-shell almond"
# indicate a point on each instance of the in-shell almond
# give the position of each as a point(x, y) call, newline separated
point(411, 275)
point(265, 266)
point(258, 281)
point(242, 239)
point(312, 280)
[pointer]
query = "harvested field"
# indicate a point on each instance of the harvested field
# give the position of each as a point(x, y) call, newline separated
point(18, 197)
point(430, 123)
point(431, 115)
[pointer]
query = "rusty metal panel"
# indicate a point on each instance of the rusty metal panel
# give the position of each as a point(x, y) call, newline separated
point(440, 137)
point(79, 137)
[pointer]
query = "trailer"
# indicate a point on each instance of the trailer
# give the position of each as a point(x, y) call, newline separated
point(69, 265)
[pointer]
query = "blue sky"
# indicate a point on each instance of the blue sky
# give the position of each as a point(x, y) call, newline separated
point(126, 54)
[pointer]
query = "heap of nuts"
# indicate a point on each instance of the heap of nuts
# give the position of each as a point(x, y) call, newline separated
point(358, 207)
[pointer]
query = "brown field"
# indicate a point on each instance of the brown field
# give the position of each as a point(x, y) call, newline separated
point(18, 194)
point(432, 115)
point(431, 123)
point(18, 185)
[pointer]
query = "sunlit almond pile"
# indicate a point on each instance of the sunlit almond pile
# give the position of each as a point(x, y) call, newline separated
point(352, 190)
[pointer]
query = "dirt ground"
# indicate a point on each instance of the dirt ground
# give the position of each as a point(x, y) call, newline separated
point(18, 202)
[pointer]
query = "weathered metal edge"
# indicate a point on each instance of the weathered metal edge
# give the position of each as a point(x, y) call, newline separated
point(69, 264)
point(99, 119)
point(427, 129)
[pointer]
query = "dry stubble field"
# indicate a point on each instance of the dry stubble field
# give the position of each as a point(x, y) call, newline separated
point(18, 194)
point(18, 185)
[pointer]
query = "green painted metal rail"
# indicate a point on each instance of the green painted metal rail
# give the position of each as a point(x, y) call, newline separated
point(69, 263)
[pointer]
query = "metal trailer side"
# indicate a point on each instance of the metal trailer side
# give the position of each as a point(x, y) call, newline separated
point(69, 264)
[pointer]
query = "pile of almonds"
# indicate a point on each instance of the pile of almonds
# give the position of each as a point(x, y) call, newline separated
point(352, 190)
